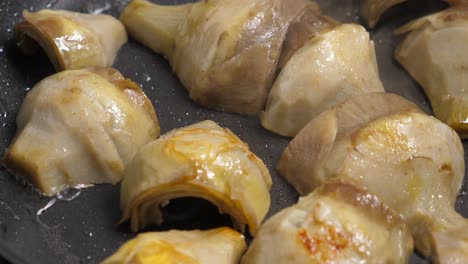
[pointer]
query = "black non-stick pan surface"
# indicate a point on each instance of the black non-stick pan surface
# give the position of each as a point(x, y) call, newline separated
point(84, 229)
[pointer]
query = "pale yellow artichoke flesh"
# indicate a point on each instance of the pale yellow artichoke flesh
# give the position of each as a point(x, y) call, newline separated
point(221, 245)
point(412, 162)
point(72, 40)
point(434, 55)
point(204, 161)
point(80, 127)
point(451, 247)
point(337, 64)
point(337, 223)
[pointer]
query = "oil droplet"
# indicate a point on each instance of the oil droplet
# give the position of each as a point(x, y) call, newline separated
point(88, 234)
point(51, 3)
point(3, 111)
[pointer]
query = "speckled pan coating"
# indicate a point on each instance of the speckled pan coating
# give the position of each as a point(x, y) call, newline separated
point(85, 229)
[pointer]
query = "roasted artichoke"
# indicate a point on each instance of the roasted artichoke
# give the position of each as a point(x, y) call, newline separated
point(71, 40)
point(221, 245)
point(337, 223)
point(411, 161)
point(224, 52)
point(204, 161)
point(434, 55)
point(80, 127)
point(337, 64)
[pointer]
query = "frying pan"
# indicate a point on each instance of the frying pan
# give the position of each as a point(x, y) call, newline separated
point(84, 229)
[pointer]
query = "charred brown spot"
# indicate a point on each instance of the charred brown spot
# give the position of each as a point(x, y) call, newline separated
point(326, 244)
point(309, 243)
point(446, 167)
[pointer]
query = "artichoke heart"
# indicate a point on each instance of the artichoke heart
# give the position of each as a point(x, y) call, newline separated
point(221, 245)
point(302, 162)
point(71, 40)
point(337, 64)
point(80, 127)
point(434, 55)
point(413, 162)
point(337, 223)
point(371, 10)
point(204, 161)
point(224, 52)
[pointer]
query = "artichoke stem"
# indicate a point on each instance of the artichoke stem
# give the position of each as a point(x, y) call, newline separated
point(154, 25)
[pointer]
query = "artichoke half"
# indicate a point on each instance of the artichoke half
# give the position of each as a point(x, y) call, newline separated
point(224, 52)
point(413, 162)
point(80, 127)
point(71, 40)
point(203, 161)
point(434, 54)
point(337, 64)
point(337, 223)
